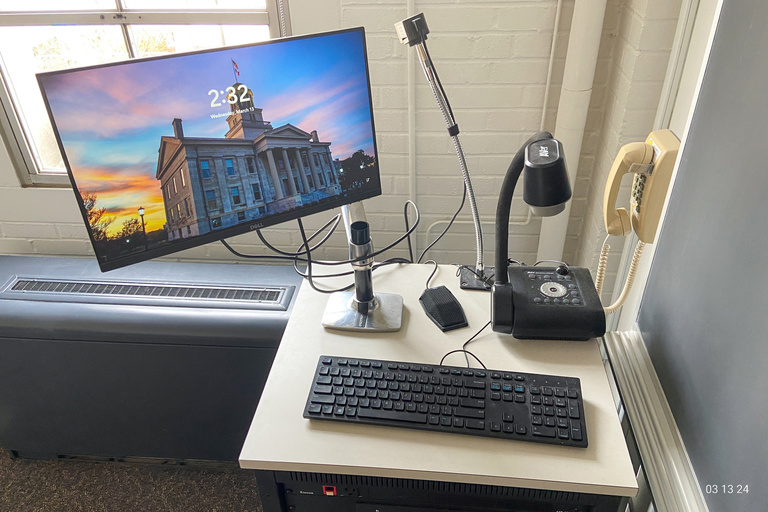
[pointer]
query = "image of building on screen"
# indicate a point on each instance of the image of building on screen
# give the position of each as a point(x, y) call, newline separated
point(253, 171)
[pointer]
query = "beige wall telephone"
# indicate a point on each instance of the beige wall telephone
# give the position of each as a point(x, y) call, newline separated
point(652, 163)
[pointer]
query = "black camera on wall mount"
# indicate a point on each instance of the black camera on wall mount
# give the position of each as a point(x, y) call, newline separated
point(536, 302)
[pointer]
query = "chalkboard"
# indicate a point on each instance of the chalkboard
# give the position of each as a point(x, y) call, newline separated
point(704, 313)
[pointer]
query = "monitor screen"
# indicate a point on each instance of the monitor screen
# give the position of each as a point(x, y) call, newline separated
point(172, 152)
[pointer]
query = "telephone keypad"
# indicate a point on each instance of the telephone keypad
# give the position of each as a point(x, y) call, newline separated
point(638, 187)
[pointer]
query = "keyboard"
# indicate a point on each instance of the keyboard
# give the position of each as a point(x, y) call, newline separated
point(490, 403)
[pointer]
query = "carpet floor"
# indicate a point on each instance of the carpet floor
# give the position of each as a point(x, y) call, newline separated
point(90, 486)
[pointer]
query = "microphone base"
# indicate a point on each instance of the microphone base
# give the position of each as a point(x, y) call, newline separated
point(470, 280)
point(383, 314)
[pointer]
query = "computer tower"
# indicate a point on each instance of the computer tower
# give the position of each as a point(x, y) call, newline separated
point(284, 491)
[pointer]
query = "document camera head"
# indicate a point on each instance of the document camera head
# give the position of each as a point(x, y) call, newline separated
point(546, 188)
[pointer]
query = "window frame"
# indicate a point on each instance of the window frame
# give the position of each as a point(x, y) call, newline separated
point(276, 16)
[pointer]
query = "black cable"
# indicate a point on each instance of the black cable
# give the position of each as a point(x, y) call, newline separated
point(389, 261)
point(450, 223)
point(438, 82)
point(284, 255)
point(256, 256)
point(308, 275)
point(465, 352)
point(410, 245)
point(434, 271)
point(470, 340)
point(385, 249)
point(331, 263)
point(335, 221)
point(308, 252)
point(471, 269)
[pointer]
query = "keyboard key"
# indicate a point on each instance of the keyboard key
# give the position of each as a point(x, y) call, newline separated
point(475, 424)
point(543, 431)
point(405, 417)
point(469, 413)
point(472, 402)
point(323, 399)
point(475, 384)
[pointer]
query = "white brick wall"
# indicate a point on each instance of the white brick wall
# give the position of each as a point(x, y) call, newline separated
point(492, 57)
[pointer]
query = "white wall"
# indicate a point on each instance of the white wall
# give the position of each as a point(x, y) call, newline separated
point(492, 57)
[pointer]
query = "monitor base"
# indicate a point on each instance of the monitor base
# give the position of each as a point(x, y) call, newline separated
point(344, 313)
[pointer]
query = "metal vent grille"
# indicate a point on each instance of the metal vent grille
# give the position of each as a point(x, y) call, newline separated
point(248, 294)
point(258, 297)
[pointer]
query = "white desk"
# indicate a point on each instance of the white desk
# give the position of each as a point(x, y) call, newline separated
point(280, 439)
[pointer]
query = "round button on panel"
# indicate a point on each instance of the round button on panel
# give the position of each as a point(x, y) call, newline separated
point(553, 289)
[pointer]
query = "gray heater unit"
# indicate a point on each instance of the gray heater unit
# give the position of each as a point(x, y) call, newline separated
point(157, 360)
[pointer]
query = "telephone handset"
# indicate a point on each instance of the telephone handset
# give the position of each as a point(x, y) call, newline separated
point(652, 162)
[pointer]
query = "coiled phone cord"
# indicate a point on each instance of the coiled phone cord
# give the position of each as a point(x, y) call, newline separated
point(627, 283)
point(601, 266)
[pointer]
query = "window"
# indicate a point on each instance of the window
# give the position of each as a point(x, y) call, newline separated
point(183, 179)
point(230, 165)
point(241, 215)
point(216, 223)
point(186, 207)
point(236, 199)
point(51, 35)
point(251, 164)
point(256, 187)
point(175, 189)
point(210, 199)
point(205, 168)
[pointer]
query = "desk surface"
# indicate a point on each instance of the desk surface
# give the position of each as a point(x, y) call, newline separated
point(281, 439)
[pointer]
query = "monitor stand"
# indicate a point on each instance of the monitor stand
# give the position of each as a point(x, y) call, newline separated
point(362, 309)
point(382, 314)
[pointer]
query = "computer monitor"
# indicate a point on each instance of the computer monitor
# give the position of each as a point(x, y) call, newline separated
point(177, 151)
